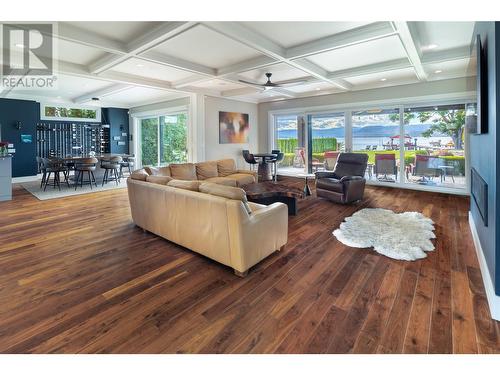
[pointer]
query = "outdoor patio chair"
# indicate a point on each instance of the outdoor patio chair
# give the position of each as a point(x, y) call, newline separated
point(331, 159)
point(385, 164)
point(427, 167)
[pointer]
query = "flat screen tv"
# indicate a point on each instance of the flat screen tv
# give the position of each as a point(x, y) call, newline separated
point(477, 113)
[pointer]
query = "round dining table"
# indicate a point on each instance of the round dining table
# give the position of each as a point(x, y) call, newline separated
point(264, 171)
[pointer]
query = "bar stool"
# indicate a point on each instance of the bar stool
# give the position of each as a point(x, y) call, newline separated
point(249, 158)
point(41, 169)
point(279, 158)
point(128, 163)
point(55, 166)
point(88, 165)
point(112, 166)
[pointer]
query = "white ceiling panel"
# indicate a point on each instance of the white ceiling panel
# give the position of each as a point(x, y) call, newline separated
point(281, 72)
point(314, 87)
point(374, 51)
point(149, 69)
point(390, 78)
point(206, 47)
point(288, 34)
point(219, 85)
point(77, 53)
point(118, 31)
point(449, 69)
point(442, 35)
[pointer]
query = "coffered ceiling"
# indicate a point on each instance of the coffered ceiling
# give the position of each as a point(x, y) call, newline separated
point(134, 63)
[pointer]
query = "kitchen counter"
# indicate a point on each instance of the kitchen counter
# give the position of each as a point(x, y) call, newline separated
point(5, 178)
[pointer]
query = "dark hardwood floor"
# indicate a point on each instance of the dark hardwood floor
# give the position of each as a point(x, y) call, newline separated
point(76, 276)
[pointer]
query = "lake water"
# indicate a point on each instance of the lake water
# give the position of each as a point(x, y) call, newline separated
point(360, 142)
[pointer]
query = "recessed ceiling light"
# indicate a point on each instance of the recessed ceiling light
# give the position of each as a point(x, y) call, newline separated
point(139, 65)
point(317, 88)
point(431, 46)
point(383, 79)
point(58, 97)
point(437, 71)
point(19, 45)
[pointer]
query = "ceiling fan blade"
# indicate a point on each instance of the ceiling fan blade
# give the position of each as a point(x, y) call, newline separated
point(250, 83)
point(291, 82)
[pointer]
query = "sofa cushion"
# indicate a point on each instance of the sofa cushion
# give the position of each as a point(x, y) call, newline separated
point(206, 170)
point(331, 184)
point(162, 180)
point(186, 171)
point(226, 167)
point(140, 175)
point(242, 178)
point(158, 171)
point(226, 192)
point(222, 181)
point(184, 184)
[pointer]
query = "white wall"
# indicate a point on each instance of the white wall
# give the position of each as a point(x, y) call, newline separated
point(403, 94)
point(214, 150)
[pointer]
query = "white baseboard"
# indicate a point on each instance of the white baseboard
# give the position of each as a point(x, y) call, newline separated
point(493, 299)
point(24, 179)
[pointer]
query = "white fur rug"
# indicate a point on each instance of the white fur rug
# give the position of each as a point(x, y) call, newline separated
point(405, 236)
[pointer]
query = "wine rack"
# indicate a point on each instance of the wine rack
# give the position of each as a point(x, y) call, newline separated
point(72, 139)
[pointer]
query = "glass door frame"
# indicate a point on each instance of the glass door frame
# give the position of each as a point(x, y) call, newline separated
point(349, 108)
point(157, 114)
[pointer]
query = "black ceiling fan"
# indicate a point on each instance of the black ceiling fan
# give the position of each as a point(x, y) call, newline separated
point(270, 85)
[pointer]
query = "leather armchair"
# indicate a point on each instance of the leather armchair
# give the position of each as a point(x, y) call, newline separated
point(346, 183)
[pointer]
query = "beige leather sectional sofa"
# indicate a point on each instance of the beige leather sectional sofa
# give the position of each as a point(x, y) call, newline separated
point(209, 215)
point(222, 172)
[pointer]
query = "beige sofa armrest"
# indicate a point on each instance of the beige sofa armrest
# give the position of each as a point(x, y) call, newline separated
point(264, 231)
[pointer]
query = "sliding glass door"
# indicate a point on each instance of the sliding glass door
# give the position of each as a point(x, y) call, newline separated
point(163, 139)
point(376, 132)
point(435, 146)
point(420, 146)
point(290, 139)
point(327, 139)
point(149, 141)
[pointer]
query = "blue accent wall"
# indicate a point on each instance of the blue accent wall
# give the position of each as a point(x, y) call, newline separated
point(11, 111)
point(485, 155)
point(117, 118)
point(28, 112)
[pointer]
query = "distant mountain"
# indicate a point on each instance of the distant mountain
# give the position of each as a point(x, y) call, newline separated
point(382, 131)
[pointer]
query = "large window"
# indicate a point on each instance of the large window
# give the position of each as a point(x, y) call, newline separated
point(327, 139)
point(420, 146)
point(375, 132)
point(289, 139)
point(435, 149)
point(163, 139)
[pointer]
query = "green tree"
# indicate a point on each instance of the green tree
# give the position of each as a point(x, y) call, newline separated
point(449, 122)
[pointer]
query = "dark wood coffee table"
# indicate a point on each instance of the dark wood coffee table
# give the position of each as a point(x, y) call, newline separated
point(270, 192)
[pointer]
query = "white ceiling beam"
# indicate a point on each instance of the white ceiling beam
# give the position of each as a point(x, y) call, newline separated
point(242, 34)
point(409, 45)
point(371, 68)
point(141, 44)
point(255, 63)
point(106, 91)
point(319, 73)
point(358, 35)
